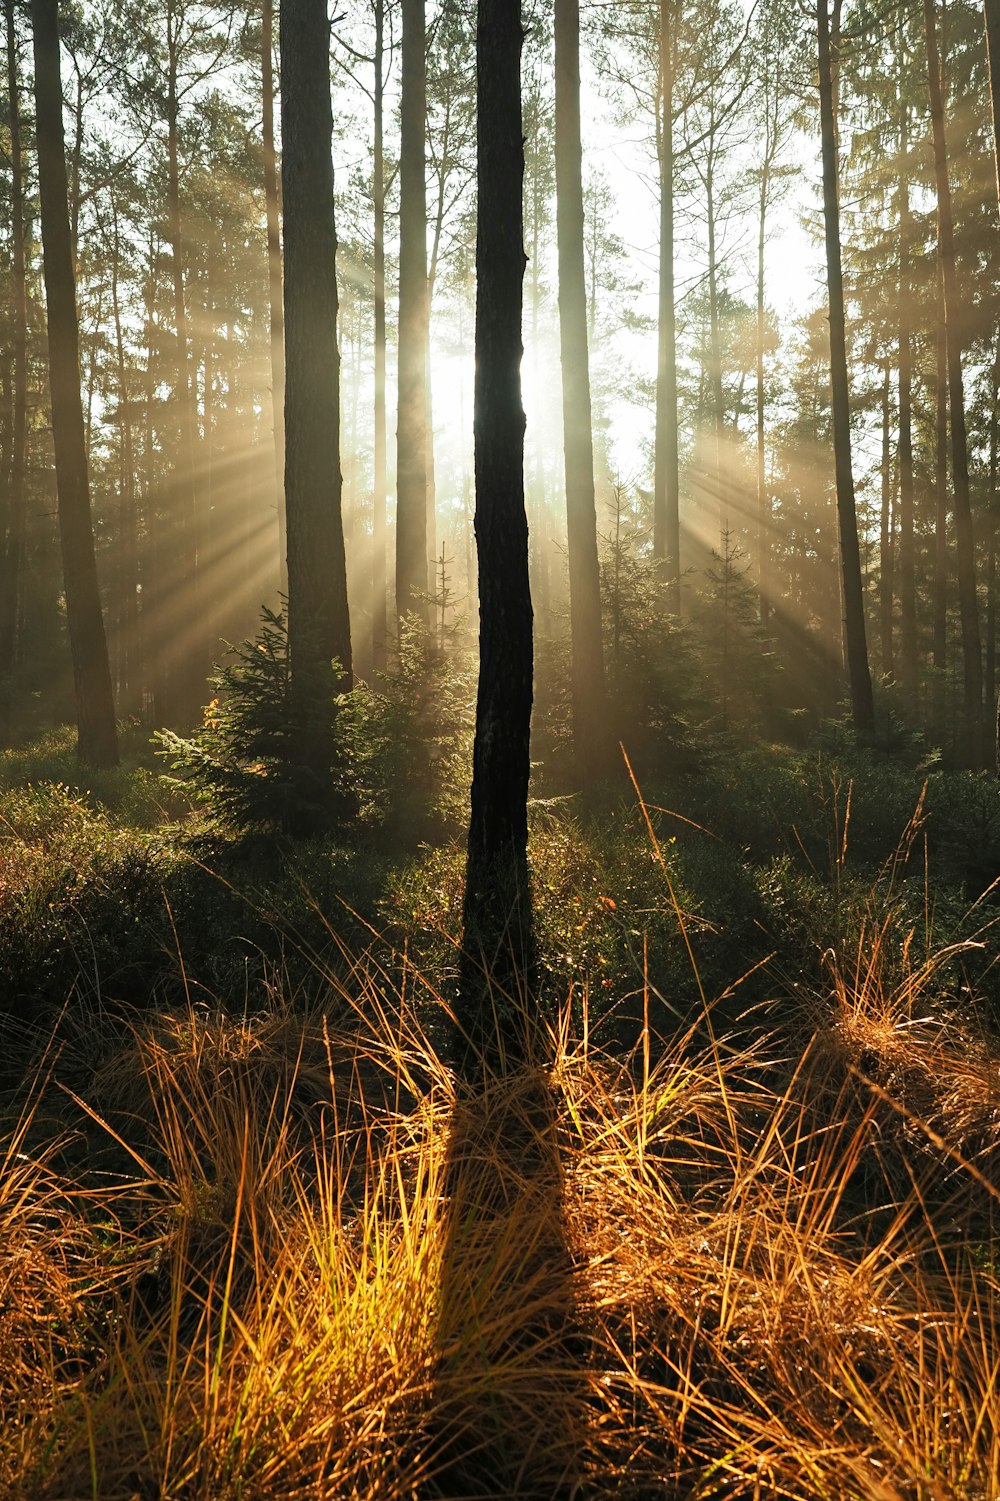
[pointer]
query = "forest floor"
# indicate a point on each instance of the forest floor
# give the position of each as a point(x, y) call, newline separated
point(735, 1234)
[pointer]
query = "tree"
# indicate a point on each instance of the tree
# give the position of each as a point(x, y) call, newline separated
point(859, 676)
point(590, 729)
point(319, 632)
point(275, 320)
point(497, 911)
point(12, 521)
point(412, 581)
point(97, 737)
point(968, 608)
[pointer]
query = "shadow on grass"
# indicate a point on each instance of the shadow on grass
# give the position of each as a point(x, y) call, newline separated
point(510, 1409)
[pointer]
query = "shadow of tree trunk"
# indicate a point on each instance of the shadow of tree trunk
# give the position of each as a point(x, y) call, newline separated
point(509, 1402)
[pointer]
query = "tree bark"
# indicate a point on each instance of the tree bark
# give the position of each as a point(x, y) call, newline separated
point(590, 722)
point(380, 623)
point(859, 675)
point(991, 16)
point(907, 550)
point(939, 603)
point(497, 915)
point(277, 324)
point(97, 738)
point(666, 471)
point(12, 533)
point(972, 663)
point(318, 618)
point(186, 672)
point(886, 561)
point(412, 579)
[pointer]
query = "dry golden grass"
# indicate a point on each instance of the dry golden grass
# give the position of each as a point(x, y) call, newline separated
point(696, 1272)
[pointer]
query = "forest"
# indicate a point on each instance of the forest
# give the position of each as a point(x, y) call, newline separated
point(499, 760)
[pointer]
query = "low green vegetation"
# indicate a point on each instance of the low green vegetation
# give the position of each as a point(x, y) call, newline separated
point(740, 1231)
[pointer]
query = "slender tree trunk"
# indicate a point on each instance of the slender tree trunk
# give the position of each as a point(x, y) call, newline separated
point(991, 535)
point(97, 738)
point(972, 662)
point(940, 581)
point(859, 676)
point(991, 15)
point(666, 475)
point(907, 560)
point(590, 721)
point(380, 623)
point(497, 898)
point(412, 581)
point(11, 561)
point(277, 325)
point(187, 670)
point(129, 667)
point(715, 360)
point(886, 569)
point(763, 498)
point(318, 617)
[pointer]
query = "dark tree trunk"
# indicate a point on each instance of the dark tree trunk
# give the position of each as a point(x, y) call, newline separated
point(666, 466)
point(939, 603)
point(126, 604)
point(886, 561)
point(497, 913)
point(13, 522)
point(590, 721)
point(972, 662)
point(907, 561)
point(991, 536)
point(97, 738)
point(277, 325)
point(187, 668)
point(412, 580)
point(715, 358)
point(991, 15)
point(380, 623)
point(859, 676)
point(763, 498)
point(318, 618)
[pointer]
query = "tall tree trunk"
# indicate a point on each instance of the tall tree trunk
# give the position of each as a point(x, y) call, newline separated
point(12, 536)
point(991, 16)
point(972, 662)
point(277, 325)
point(590, 722)
point(939, 613)
point(907, 550)
point(97, 738)
point(991, 535)
point(763, 498)
point(666, 464)
point(412, 580)
point(886, 569)
point(318, 617)
point(129, 667)
point(380, 623)
point(187, 670)
point(497, 913)
point(859, 676)
point(715, 361)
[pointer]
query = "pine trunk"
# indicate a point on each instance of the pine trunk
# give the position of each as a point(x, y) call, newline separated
point(97, 738)
point(856, 648)
point(380, 623)
point(318, 617)
point(276, 314)
point(497, 916)
point(590, 724)
point(972, 663)
point(12, 530)
point(666, 471)
point(412, 579)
